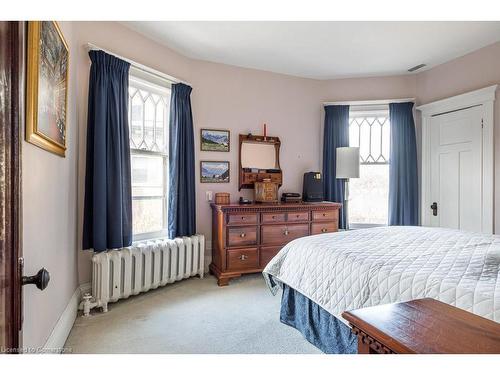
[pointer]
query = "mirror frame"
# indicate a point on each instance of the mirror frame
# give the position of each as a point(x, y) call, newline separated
point(246, 180)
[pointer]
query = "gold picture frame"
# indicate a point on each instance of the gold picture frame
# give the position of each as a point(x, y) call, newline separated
point(47, 87)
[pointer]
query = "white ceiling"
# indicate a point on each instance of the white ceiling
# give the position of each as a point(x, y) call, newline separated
point(323, 50)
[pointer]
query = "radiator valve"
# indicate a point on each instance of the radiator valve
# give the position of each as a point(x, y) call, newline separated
point(87, 304)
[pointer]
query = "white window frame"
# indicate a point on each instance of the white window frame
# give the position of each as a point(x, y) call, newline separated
point(362, 111)
point(153, 87)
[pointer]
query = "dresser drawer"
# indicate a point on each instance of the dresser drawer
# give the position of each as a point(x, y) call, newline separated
point(242, 259)
point(325, 215)
point(298, 216)
point(242, 219)
point(273, 218)
point(267, 253)
point(241, 236)
point(282, 234)
point(327, 227)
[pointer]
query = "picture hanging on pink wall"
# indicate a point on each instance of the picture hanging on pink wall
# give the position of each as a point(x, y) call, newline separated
point(215, 140)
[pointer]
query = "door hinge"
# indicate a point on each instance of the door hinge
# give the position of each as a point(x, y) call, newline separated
point(482, 124)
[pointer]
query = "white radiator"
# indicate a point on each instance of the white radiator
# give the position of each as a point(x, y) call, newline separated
point(146, 265)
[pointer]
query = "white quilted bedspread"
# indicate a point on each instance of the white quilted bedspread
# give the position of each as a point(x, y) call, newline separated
point(348, 270)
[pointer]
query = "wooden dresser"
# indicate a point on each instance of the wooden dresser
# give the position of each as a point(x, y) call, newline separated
point(246, 237)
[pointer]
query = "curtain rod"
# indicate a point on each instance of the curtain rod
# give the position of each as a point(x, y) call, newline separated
point(370, 102)
point(139, 66)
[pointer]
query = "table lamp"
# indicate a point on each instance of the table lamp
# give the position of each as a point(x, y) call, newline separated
point(347, 167)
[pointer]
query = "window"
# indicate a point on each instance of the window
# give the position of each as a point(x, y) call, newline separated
point(148, 120)
point(369, 194)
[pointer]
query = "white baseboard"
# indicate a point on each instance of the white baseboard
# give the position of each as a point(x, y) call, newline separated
point(57, 339)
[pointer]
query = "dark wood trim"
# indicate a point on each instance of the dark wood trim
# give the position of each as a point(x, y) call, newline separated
point(271, 207)
point(11, 121)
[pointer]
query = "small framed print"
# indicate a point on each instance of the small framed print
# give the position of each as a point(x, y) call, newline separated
point(214, 171)
point(215, 140)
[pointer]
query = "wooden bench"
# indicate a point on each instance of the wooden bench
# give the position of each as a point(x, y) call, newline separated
point(422, 326)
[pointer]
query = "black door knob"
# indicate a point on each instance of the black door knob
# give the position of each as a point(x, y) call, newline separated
point(41, 279)
point(434, 208)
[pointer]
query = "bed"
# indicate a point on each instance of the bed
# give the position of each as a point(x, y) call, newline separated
point(324, 275)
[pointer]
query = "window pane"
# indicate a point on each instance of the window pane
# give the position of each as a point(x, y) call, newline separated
point(376, 147)
point(369, 195)
point(364, 139)
point(149, 120)
point(353, 133)
point(136, 121)
point(386, 139)
point(147, 215)
point(147, 175)
point(160, 124)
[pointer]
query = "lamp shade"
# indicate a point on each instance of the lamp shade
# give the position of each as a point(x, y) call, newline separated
point(347, 162)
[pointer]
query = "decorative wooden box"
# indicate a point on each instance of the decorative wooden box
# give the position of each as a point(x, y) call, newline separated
point(222, 198)
point(266, 191)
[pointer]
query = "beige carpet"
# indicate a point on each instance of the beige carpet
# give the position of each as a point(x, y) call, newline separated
point(191, 316)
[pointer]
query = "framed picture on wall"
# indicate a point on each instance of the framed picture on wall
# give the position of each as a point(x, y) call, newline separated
point(214, 171)
point(47, 86)
point(215, 140)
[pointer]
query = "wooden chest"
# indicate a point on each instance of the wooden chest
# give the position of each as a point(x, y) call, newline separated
point(422, 326)
point(246, 237)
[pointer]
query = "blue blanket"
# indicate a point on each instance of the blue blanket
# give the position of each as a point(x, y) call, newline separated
point(318, 326)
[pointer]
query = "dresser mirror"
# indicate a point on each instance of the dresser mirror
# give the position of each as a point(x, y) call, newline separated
point(259, 159)
point(258, 155)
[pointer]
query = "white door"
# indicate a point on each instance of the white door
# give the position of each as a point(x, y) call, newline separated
point(456, 169)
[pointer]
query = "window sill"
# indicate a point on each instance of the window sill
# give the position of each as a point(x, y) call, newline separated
point(365, 225)
point(160, 235)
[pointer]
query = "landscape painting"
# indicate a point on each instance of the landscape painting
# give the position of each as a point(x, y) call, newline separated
point(214, 171)
point(215, 140)
point(47, 90)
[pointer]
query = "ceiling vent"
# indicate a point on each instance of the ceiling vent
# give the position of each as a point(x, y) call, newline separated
point(416, 67)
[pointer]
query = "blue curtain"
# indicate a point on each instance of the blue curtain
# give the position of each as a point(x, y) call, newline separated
point(108, 198)
point(403, 175)
point(181, 199)
point(336, 135)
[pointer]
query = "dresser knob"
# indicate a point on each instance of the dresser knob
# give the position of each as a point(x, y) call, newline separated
point(273, 217)
point(324, 230)
point(243, 257)
point(286, 232)
point(242, 235)
point(324, 215)
point(243, 218)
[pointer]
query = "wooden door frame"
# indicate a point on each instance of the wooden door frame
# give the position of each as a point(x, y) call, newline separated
point(11, 122)
point(485, 98)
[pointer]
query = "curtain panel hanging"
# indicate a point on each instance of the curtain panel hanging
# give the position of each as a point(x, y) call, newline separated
point(336, 134)
point(181, 199)
point(403, 173)
point(108, 194)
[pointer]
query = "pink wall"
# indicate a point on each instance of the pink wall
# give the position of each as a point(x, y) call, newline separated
point(242, 100)
point(223, 97)
point(50, 222)
point(237, 99)
point(470, 72)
